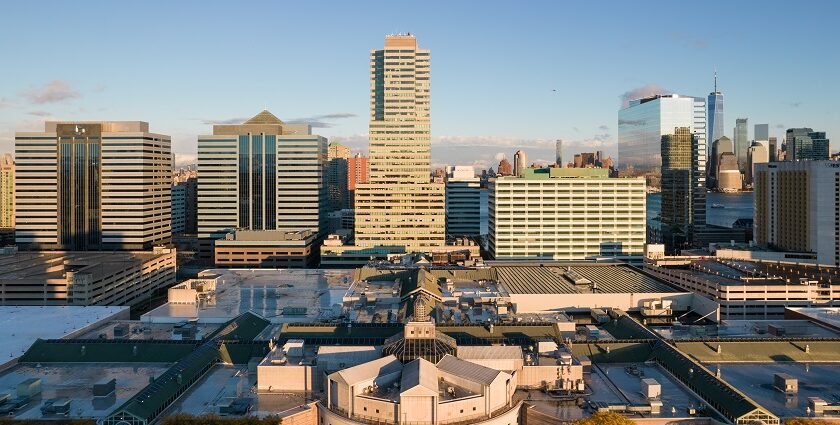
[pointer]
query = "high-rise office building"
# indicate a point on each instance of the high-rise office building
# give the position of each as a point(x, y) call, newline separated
point(463, 202)
point(400, 206)
point(675, 212)
point(772, 149)
point(757, 154)
point(572, 214)
point(558, 153)
point(357, 173)
point(806, 144)
point(93, 185)
point(714, 118)
point(761, 132)
point(683, 184)
point(796, 204)
point(337, 176)
point(643, 122)
point(741, 143)
point(262, 174)
point(7, 191)
point(520, 162)
point(185, 206)
point(719, 146)
point(729, 177)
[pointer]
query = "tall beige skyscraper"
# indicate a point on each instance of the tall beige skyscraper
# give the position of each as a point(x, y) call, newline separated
point(400, 206)
point(7, 191)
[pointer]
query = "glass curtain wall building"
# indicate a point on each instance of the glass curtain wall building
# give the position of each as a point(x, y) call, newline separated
point(714, 115)
point(741, 142)
point(643, 122)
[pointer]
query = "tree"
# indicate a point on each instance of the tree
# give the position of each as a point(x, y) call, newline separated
point(605, 418)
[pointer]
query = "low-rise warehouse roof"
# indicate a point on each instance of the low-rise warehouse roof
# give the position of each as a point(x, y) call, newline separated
point(579, 279)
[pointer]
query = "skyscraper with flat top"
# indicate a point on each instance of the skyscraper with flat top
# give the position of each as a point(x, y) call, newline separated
point(93, 185)
point(741, 143)
point(400, 206)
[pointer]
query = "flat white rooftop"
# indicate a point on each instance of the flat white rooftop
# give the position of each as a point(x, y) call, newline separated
point(20, 326)
point(279, 295)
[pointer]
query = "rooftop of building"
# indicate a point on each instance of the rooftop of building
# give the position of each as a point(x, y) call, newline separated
point(269, 236)
point(557, 173)
point(20, 326)
point(743, 272)
point(293, 295)
point(263, 122)
point(578, 279)
point(647, 99)
point(54, 265)
point(106, 126)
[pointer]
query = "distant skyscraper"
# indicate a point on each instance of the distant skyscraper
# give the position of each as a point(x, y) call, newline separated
point(757, 154)
point(772, 149)
point(643, 122)
point(262, 174)
point(357, 173)
point(520, 162)
point(714, 116)
point(761, 133)
point(505, 168)
point(463, 202)
point(7, 191)
point(558, 153)
point(336, 176)
point(400, 206)
point(93, 185)
point(720, 146)
point(185, 206)
point(741, 143)
point(729, 178)
point(806, 144)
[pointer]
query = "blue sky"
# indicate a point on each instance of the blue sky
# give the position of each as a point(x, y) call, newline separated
point(495, 66)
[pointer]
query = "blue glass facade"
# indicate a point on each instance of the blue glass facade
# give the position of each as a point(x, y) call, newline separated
point(258, 182)
point(79, 188)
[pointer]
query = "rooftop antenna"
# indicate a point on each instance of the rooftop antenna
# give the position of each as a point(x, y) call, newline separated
point(715, 79)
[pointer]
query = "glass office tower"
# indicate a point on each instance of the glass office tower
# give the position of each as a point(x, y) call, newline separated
point(741, 143)
point(643, 122)
point(714, 115)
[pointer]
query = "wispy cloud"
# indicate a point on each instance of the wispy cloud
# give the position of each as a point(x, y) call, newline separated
point(52, 92)
point(5, 102)
point(631, 122)
point(780, 126)
point(322, 121)
point(795, 104)
point(603, 127)
point(40, 113)
point(640, 92)
point(225, 121)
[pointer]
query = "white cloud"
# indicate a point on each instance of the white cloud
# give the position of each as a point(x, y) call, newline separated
point(640, 92)
point(54, 91)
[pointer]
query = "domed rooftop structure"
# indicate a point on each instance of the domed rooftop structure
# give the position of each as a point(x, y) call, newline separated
point(420, 339)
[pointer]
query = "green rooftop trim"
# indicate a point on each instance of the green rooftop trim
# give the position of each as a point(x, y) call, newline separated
point(556, 173)
point(244, 327)
point(762, 351)
point(107, 351)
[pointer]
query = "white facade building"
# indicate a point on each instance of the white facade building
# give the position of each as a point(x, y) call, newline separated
point(567, 214)
point(93, 185)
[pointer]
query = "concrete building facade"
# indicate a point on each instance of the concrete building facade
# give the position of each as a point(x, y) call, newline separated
point(266, 248)
point(337, 176)
point(262, 174)
point(93, 185)
point(399, 206)
point(796, 204)
point(357, 173)
point(567, 214)
point(7, 191)
point(85, 278)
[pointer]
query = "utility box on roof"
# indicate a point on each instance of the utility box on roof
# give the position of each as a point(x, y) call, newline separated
point(29, 388)
point(650, 388)
point(785, 383)
point(104, 388)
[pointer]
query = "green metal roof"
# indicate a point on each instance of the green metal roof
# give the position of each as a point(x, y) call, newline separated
point(762, 351)
point(107, 351)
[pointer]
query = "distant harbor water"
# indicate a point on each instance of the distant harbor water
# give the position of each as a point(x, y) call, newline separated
point(731, 207)
point(734, 206)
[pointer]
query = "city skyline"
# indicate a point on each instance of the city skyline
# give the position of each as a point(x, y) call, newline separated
point(478, 115)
